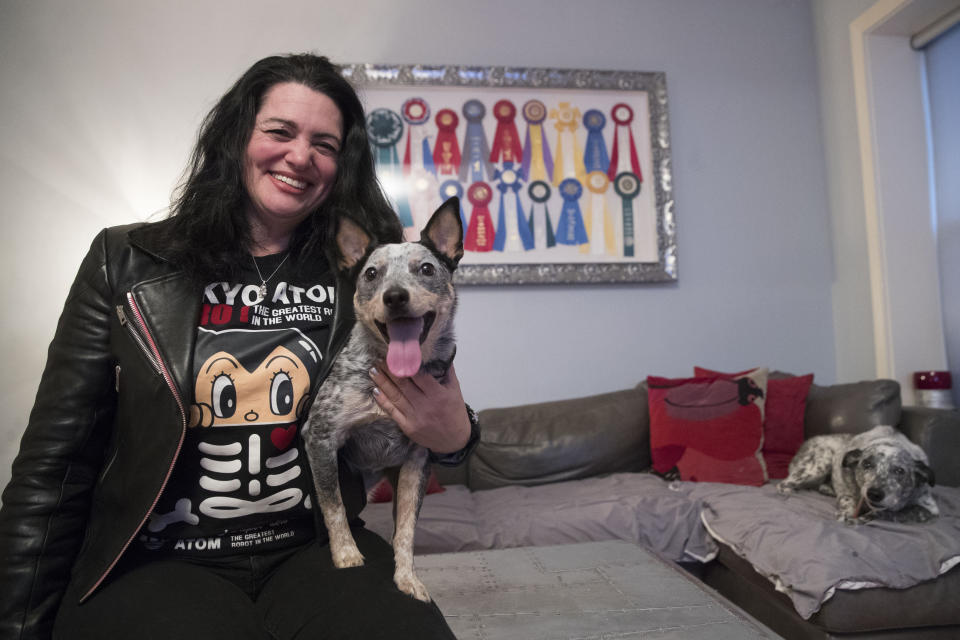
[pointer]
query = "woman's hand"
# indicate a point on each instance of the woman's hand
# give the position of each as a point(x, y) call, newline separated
point(431, 413)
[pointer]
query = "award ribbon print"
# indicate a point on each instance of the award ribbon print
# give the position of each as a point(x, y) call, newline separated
point(599, 221)
point(569, 163)
point(506, 140)
point(446, 151)
point(537, 161)
point(541, 226)
point(570, 227)
point(513, 232)
point(627, 187)
point(480, 232)
point(622, 117)
point(476, 155)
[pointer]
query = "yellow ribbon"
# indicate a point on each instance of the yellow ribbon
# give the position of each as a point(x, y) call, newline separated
point(566, 121)
point(598, 183)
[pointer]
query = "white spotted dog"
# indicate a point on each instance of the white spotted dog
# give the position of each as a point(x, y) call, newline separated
point(404, 302)
point(875, 474)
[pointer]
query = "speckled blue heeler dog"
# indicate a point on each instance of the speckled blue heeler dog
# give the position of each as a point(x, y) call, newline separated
point(405, 301)
point(875, 474)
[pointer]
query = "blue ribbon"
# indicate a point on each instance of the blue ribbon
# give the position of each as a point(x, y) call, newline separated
point(452, 188)
point(570, 227)
point(595, 156)
point(476, 154)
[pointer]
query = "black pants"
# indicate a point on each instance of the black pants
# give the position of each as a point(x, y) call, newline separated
point(293, 594)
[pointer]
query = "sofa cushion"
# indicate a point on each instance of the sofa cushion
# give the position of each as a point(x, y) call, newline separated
point(638, 507)
point(825, 555)
point(562, 440)
point(783, 417)
point(852, 408)
point(709, 429)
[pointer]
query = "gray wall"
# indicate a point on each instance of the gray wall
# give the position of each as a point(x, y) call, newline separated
point(102, 99)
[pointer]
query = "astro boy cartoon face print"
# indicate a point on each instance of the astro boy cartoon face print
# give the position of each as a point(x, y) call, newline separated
point(242, 384)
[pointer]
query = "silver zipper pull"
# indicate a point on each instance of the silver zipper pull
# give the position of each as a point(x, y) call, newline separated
point(121, 315)
point(116, 384)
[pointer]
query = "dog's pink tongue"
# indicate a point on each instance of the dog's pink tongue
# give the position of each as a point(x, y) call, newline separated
point(403, 352)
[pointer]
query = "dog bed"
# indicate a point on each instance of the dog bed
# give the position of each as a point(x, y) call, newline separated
point(824, 554)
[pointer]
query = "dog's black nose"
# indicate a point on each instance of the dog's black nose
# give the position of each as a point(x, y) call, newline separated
point(874, 494)
point(396, 297)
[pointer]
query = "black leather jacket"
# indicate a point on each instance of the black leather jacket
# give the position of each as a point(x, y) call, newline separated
point(107, 426)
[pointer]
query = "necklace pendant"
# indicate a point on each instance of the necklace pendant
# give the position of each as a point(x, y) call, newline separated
point(263, 291)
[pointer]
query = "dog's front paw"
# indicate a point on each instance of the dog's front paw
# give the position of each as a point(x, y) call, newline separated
point(411, 585)
point(785, 488)
point(346, 555)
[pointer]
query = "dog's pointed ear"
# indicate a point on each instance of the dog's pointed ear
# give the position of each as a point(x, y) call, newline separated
point(443, 234)
point(923, 473)
point(851, 458)
point(352, 243)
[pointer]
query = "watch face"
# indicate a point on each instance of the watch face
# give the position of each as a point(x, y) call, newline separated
point(571, 189)
point(474, 110)
point(539, 191)
point(534, 111)
point(415, 111)
point(384, 127)
point(626, 185)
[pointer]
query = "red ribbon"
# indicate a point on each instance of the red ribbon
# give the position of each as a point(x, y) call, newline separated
point(446, 153)
point(415, 112)
point(623, 115)
point(480, 233)
point(506, 140)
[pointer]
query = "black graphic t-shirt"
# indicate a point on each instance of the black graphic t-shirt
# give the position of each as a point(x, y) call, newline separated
point(242, 482)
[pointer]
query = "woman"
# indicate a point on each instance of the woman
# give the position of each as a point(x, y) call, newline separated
point(160, 489)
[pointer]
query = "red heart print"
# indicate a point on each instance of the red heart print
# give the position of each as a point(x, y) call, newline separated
point(281, 438)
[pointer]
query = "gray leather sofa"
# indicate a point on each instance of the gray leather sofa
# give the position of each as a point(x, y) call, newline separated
point(575, 470)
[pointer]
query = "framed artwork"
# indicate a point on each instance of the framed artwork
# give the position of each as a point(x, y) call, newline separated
point(564, 175)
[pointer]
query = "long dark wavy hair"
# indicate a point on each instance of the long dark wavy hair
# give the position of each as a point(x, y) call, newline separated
point(208, 234)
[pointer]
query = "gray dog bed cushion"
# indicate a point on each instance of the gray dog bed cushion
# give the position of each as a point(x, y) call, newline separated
point(824, 554)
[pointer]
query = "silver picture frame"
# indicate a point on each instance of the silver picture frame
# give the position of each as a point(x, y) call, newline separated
point(646, 91)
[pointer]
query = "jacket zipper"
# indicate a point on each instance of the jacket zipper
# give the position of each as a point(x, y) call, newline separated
point(148, 345)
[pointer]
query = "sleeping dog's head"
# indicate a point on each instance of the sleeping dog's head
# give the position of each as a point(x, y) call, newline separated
point(404, 292)
point(887, 476)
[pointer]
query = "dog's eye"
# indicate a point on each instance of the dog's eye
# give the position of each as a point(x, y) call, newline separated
point(370, 274)
point(427, 269)
point(867, 464)
point(898, 471)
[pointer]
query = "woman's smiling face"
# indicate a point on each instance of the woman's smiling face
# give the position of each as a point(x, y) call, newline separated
point(291, 159)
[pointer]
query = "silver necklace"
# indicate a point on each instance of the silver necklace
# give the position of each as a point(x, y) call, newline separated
point(262, 294)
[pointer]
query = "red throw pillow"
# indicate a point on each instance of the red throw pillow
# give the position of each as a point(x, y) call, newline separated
point(383, 492)
point(783, 424)
point(710, 429)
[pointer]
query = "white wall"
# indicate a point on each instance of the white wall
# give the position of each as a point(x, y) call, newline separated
point(101, 100)
point(852, 312)
point(943, 75)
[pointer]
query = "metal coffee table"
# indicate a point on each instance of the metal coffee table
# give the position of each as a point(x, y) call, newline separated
point(594, 590)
